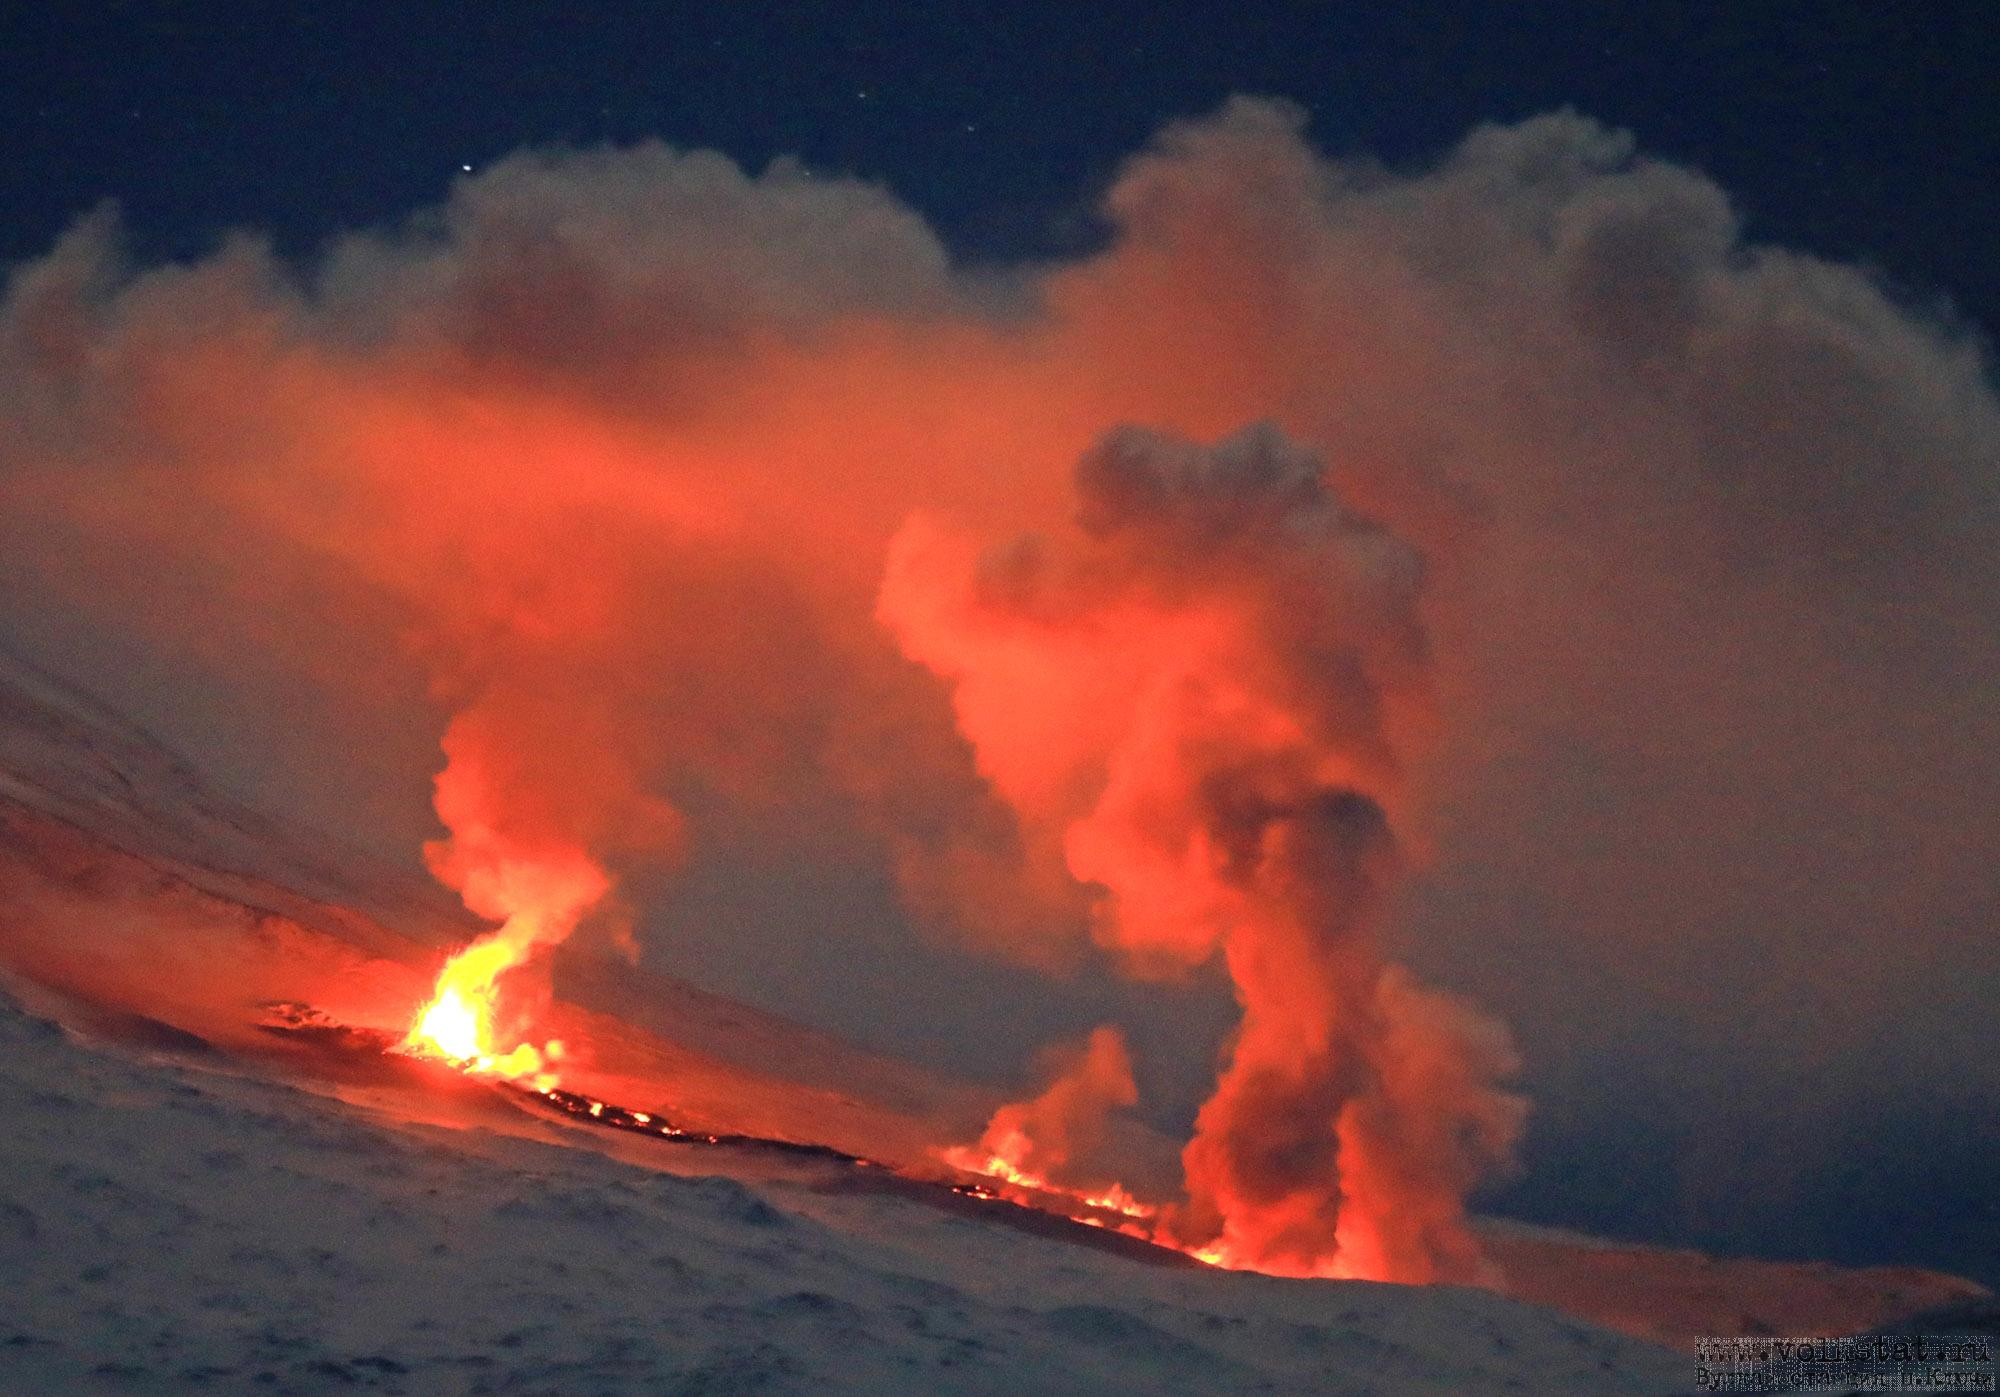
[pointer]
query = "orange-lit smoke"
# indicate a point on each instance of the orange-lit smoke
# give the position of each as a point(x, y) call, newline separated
point(525, 872)
point(545, 780)
point(1036, 1143)
point(595, 471)
point(1204, 693)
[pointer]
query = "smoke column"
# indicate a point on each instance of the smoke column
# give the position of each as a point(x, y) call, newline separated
point(1202, 696)
point(593, 484)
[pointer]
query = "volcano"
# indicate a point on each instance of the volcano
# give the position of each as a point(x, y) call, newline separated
point(221, 1170)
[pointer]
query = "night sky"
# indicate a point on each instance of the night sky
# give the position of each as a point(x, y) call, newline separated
point(1865, 131)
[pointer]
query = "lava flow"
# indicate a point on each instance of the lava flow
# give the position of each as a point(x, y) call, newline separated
point(456, 1027)
point(1003, 1166)
point(1015, 1188)
point(1112, 1206)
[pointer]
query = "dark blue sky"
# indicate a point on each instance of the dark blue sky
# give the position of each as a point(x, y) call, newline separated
point(1855, 129)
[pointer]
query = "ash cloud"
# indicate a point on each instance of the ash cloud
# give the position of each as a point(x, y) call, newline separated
point(606, 454)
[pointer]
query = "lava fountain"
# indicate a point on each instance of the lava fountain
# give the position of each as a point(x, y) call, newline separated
point(458, 1022)
point(514, 869)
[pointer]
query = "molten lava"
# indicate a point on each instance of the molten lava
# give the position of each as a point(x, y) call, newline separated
point(1013, 1184)
point(1004, 1166)
point(458, 1024)
point(451, 1025)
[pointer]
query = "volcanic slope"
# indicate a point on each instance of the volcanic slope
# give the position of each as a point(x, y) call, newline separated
point(189, 1200)
point(165, 1228)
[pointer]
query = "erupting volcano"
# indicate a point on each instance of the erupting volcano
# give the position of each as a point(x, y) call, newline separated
point(511, 857)
point(1160, 749)
point(1198, 703)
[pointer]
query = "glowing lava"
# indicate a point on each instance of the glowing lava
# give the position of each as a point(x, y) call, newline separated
point(999, 1157)
point(457, 1024)
point(451, 1025)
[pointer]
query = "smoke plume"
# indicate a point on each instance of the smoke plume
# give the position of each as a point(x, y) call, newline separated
point(1043, 1138)
point(551, 528)
point(1205, 698)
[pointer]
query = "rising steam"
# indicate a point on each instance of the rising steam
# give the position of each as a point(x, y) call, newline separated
point(1227, 667)
point(1605, 594)
point(1040, 1142)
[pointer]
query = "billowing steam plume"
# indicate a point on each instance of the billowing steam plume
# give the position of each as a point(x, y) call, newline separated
point(1204, 695)
point(595, 473)
point(1036, 1142)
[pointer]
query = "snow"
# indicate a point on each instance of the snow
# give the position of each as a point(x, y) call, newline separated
point(165, 1228)
point(189, 1204)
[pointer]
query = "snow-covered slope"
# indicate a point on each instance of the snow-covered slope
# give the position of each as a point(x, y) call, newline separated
point(129, 884)
point(239, 1207)
point(64, 753)
point(1675, 1296)
point(164, 1229)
